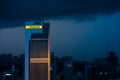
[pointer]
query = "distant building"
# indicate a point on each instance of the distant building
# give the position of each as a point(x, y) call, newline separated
point(112, 64)
point(79, 76)
point(53, 67)
point(106, 68)
point(68, 68)
point(53, 71)
point(59, 68)
point(101, 61)
point(90, 72)
point(101, 69)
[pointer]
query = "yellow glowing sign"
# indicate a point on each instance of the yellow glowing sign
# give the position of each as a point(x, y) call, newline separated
point(33, 26)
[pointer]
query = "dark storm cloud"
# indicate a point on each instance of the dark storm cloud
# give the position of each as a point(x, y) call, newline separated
point(22, 10)
point(10, 24)
point(91, 7)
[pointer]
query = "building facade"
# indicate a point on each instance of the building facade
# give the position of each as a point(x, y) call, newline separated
point(38, 52)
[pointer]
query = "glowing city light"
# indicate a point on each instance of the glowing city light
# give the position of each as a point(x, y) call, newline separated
point(8, 74)
point(105, 73)
point(101, 73)
point(33, 26)
point(39, 60)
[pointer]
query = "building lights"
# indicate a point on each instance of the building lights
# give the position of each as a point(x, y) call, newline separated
point(8, 74)
point(33, 26)
point(39, 60)
point(105, 73)
point(101, 73)
point(69, 65)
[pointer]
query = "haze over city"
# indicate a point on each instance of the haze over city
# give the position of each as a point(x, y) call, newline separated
point(82, 29)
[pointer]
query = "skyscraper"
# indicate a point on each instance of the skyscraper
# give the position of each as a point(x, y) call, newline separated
point(39, 52)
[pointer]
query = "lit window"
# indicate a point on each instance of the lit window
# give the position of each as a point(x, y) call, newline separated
point(105, 73)
point(101, 73)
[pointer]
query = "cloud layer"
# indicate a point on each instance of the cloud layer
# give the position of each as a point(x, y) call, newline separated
point(44, 9)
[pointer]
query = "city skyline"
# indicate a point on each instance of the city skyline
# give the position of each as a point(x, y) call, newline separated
point(81, 36)
point(82, 29)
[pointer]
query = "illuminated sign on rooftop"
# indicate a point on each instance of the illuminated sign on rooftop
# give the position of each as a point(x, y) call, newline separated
point(33, 27)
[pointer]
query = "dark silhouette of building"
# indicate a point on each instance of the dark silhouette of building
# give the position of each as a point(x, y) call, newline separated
point(112, 64)
point(7, 71)
point(101, 69)
point(53, 67)
point(68, 68)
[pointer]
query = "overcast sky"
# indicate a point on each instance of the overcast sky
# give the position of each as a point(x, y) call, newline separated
point(84, 29)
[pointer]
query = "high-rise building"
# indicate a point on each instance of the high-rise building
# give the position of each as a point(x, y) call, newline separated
point(68, 68)
point(112, 63)
point(38, 52)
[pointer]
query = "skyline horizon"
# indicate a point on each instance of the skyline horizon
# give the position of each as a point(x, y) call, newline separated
point(66, 56)
point(82, 39)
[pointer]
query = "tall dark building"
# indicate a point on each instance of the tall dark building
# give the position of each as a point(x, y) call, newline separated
point(112, 64)
point(39, 53)
point(68, 68)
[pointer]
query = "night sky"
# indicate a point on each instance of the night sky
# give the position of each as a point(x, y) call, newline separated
point(84, 29)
